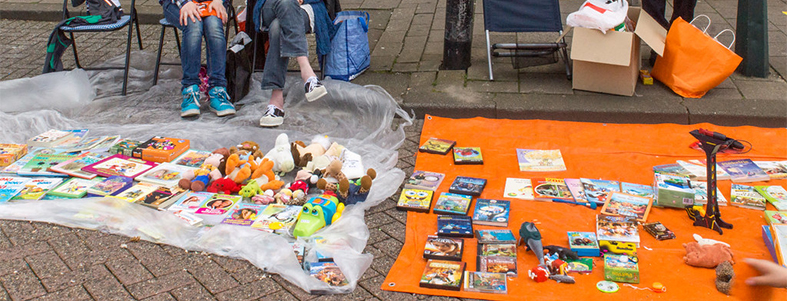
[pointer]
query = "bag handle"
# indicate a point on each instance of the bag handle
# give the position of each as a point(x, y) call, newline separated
point(720, 32)
point(706, 26)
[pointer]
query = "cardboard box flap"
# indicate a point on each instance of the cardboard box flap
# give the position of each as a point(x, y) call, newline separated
point(651, 32)
point(592, 45)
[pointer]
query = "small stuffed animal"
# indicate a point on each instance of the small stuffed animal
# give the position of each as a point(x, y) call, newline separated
point(200, 178)
point(264, 198)
point(222, 166)
point(237, 169)
point(246, 150)
point(706, 256)
point(224, 185)
point(302, 154)
point(724, 275)
point(281, 155)
point(250, 189)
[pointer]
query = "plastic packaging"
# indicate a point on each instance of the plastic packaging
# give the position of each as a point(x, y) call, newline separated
point(599, 14)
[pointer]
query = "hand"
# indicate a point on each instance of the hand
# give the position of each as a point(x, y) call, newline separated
point(771, 273)
point(221, 12)
point(189, 11)
point(300, 2)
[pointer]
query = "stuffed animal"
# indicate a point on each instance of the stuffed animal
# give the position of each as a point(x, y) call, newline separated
point(302, 154)
point(334, 152)
point(237, 169)
point(263, 174)
point(246, 150)
point(724, 275)
point(706, 256)
point(250, 189)
point(319, 212)
point(350, 192)
point(200, 178)
point(264, 198)
point(222, 166)
point(308, 177)
point(281, 155)
point(224, 185)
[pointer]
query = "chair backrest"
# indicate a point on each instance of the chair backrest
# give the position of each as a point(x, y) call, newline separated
point(75, 3)
point(522, 16)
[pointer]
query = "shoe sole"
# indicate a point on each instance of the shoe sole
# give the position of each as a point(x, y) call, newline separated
point(224, 112)
point(189, 113)
point(271, 123)
point(316, 94)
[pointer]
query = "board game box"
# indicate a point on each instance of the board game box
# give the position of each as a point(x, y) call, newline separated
point(622, 204)
point(584, 243)
point(161, 149)
point(621, 268)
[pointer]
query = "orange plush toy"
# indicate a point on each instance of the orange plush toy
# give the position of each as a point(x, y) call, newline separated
point(707, 256)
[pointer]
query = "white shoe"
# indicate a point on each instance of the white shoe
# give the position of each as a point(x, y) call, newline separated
point(314, 89)
point(273, 117)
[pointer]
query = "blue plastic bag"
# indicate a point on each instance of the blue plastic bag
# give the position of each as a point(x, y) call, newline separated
point(349, 56)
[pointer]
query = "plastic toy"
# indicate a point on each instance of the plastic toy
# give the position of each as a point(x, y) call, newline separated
point(318, 212)
point(607, 286)
point(706, 256)
point(281, 155)
point(302, 154)
point(711, 143)
point(616, 247)
point(563, 253)
point(538, 274)
point(563, 279)
point(531, 237)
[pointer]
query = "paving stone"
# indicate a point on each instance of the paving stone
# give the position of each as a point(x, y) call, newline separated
point(396, 230)
point(383, 264)
point(12, 266)
point(159, 285)
point(249, 274)
point(391, 247)
point(373, 286)
point(194, 291)
point(230, 264)
point(76, 277)
point(161, 297)
point(399, 215)
point(377, 219)
point(22, 285)
point(753, 89)
point(296, 291)
point(24, 250)
point(250, 291)
point(68, 245)
point(98, 257)
point(358, 294)
point(47, 264)
point(281, 295)
point(213, 277)
point(154, 258)
point(74, 293)
point(100, 241)
point(107, 288)
point(129, 270)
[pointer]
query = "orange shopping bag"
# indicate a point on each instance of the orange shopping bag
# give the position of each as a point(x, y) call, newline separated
point(693, 62)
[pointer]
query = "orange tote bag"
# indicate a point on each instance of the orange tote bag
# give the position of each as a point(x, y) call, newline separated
point(693, 62)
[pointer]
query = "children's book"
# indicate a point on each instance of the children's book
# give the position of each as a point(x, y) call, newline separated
point(11, 152)
point(442, 274)
point(119, 165)
point(468, 155)
point(780, 241)
point(10, 187)
point(160, 149)
point(13, 168)
point(444, 248)
point(767, 237)
point(498, 249)
point(547, 189)
point(746, 197)
point(161, 198)
point(584, 243)
point(497, 264)
point(425, 180)
point(616, 228)
point(467, 185)
point(622, 204)
point(111, 186)
point(85, 144)
point(776, 217)
point(701, 194)
point(577, 192)
point(74, 188)
point(192, 158)
point(720, 173)
point(672, 169)
point(137, 192)
point(518, 189)
point(491, 212)
point(452, 203)
point(38, 165)
point(774, 169)
point(415, 200)
point(621, 268)
point(774, 194)
point(244, 214)
point(673, 191)
point(437, 146)
point(328, 272)
point(76, 137)
point(191, 201)
point(454, 225)
point(277, 218)
point(36, 188)
point(188, 217)
point(699, 170)
point(218, 204)
point(744, 170)
point(540, 160)
point(596, 190)
point(495, 283)
point(73, 166)
point(637, 189)
point(164, 174)
point(659, 231)
point(49, 138)
point(124, 147)
point(495, 236)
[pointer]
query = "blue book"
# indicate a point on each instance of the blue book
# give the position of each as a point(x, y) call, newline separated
point(491, 212)
point(495, 236)
point(584, 243)
point(744, 170)
point(767, 237)
point(454, 225)
point(452, 203)
point(467, 185)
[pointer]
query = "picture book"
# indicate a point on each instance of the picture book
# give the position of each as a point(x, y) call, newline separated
point(111, 186)
point(36, 188)
point(444, 248)
point(74, 187)
point(744, 170)
point(49, 138)
point(491, 212)
point(622, 204)
point(124, 147)
point(277, 218)
point(547, 189)
point(160, 149)
point(300, 251)
point(596, 190)
point(10, 187)
point(164, 174)
point(637, 189)
point(495, 236)
point(774, 194)
point(119, 165)
point(137, 192)
point(13, 168)
point(191, 201)
point(584, 243)
point(616, 229)
point(415, 200)
point(188, 217)
point(720, 173)
point(468, 155)
point(244, 214)
point(746, 197)
point(192, 158)
point(85, 144)
point(780, 241)
point(495, 283)
point(328, 272)
point(701, 194)
point(672, 169)
point(454, 225)
point(497, 264)
point(621, 268)
point(442, 274)
point(11, 152)
point(540, 160)
point(776, 217)
point(452, 203)
point(517, 188)
point(424, 180)
point(672, 191)
point(467, 185)
point(767, 237)
point(76, 137)
point(698, 170)
point(498, 249)
point(73, 166)
point(38, 165)
point(437, 146)
point(575, 187)
point(105, 144)
point(218, 204)
point(774, 169)
point(659, 231)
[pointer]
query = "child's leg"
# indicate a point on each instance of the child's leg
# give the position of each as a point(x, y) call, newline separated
point(191, 52)
point(213, 30)
point(275, 71)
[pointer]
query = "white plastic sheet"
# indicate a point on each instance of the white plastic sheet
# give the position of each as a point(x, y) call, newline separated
point(360, 118)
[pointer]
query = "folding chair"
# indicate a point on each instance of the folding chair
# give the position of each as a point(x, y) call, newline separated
point(524, 16)
point(129, 18)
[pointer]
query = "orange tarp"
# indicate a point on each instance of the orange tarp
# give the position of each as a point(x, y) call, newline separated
point(623, 152)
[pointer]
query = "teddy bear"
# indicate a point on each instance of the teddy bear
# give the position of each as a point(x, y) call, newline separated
point(247, 149)
point(198, 179)
point(263, 174)
point(281, 155)
point(224, 152)
point(224, 185)
point(334, 152)
point(302, 154)
point(706, 256)
point(350, 192)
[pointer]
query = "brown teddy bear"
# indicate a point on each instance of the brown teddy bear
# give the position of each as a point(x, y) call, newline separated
point(247, 149)
point(706, 256)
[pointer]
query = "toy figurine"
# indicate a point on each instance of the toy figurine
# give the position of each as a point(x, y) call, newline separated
point(319, 211)
point(531, 237)
point(538, 274)
point(563, 253)
point(563, 279)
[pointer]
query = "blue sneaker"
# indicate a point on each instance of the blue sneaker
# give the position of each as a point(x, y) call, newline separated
point(220, 102)
point(190, 105)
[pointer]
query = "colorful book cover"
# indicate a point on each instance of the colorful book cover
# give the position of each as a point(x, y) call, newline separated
point(277, 218)
point(776, 217)
point(540, 160)
point(637, 189)
point(701, 194)
point(105, 143)
point(13, 168)
point(774, 194)
point(774, 169)
point(482, 282)
point(746, 197)
point(36, 188)
point(328, 272)
point(621, 268)
point(495, 236)
point(10, 187)
point(164, 174)
point(161, 149)
point(454, 225)
point(111, 186)
point(498, 249)
point(160, 198)
point(191, 201)
point(244, 214)
point(218, 204)
point(49, 138)
point(443, 248)
point(467, 185)
point(137, 192)
point(767, 237)
point(672, 169)
point(468, 155)
point(38, 165)
point(491, 212)
point(547, 189)
point(673, 191)
point(76, 137)
point(73, 166)
point(124, 147)
point(596, 190)
point(84, 144)
point(780, 241)
point(518, 189)
point(192, 158)
point(415, 200)
point(616, 228)
point(575, 187)
point(658, 230)
point(720, 173)
point(744, 170)
point(442, 274)
point(584, 243)
point(11, 152)
point(452, 203)
point(119, 165)
point(622, 204)
point(425, 180)
point(497, 264)
point(437, 146)
point(74, 187)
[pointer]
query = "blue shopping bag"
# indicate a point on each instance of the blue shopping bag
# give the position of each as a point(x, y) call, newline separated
point(349, 56)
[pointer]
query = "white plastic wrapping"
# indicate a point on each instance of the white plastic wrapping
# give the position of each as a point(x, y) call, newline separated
point(359, 118)
point(599, 14)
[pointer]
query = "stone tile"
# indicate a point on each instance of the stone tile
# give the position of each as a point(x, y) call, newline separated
point(395, 230)
point(159, 285)
point(405, 67)
point(68, 245)
point(98, 257)
point(230, 264)
point(22, 285)
point(399, 215)
point(24, 250)
point(76, 277)
point(154, 258)
point(47, 264)
point(250, 291)
point(753, 89)
point(383, 264)
point(12, 266)
point(194, 291)
point(129, 270)
point(391, 247)
point(377, 219)
point(544, 83)
point(74, 293)
point(495, 86)
point(161, 297)
point(382, 63)
point(281, 295)
point(213, 277)
point(249, 274)
point(294, 290)
point(107, 288)
point(100, 241)
point(373, 286)
point(358, 294)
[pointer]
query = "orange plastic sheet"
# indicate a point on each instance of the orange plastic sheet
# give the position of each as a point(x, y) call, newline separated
point(623, 152)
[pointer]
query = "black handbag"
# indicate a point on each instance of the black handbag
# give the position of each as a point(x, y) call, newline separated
point(238, 71)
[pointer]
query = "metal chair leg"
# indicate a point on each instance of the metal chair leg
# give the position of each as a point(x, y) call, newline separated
point(128, 60)
point(177, 38)
point(158, 57)
point(567, 60)
point(139, 37)
point(489, 56)
point(74, 46)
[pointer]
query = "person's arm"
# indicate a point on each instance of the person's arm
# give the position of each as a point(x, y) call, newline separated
point(218, 6)
point(188, 10)
point(771, 274)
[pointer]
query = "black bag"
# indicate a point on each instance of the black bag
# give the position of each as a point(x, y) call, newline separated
point(238, 71)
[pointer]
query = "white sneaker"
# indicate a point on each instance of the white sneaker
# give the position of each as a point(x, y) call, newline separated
point(314, 89)
point(273, 117)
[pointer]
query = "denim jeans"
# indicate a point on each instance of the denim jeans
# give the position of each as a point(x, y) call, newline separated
point(191, 47)
point(287, 38)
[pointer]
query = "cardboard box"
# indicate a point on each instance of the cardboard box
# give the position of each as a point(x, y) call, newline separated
point(11, 152)
point(621, 268)
point(610, 62)
point(672, 191)
point(161, 149)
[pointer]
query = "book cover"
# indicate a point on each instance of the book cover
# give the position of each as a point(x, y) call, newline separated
point(48, 138)
point(437, 146)
point(698, 170)
point(701, 194)
point(36, 188)
point(14, 167)
point(780, 241)
point(76, 137)
point(160, 198)
point(137, 192)
point(124, 147)
point(74, 188)
point(191, 201)
point(192, 158)
point(467, 185)
point(244, 214)
point(540, 160)
point(415, 200)
point(482, 282)
point(424, 180)
point(596, 190)
point(497, 264)
point(495, 236)
point(517, 188)
point(767, 237)
point(622, 204)
point(300, 251)
point(774, 169)
point(616, 228)
point(546, 189)
point(84, 144)
point(491, 212)
point(659, 231)
point(746, 197)
point(672, 169)
point(277, 218)
point(218, 204)
point(119, 165)
point(577, 192)
point(105, 144)
point(584, 243)
point(11, 152)
point(73, 166)
point(454, 225)
point(442, 274)
point(497, 249)
point(452, 203)
point(776, 217)
point(468, 155)
point(744, 170)
point(111, 186)
point(720, 173)
point(774, 194)
point(38, 165)
point(10, 187)
point(637, 189)
point(188, 217)
point(160, 149)
point(621, 268)
point(328, 272)
point(673, 191)
point(444, 248)
point(164, 174)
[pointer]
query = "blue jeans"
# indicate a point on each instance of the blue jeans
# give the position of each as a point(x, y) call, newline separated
point(287, 38)
point(191, 47)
